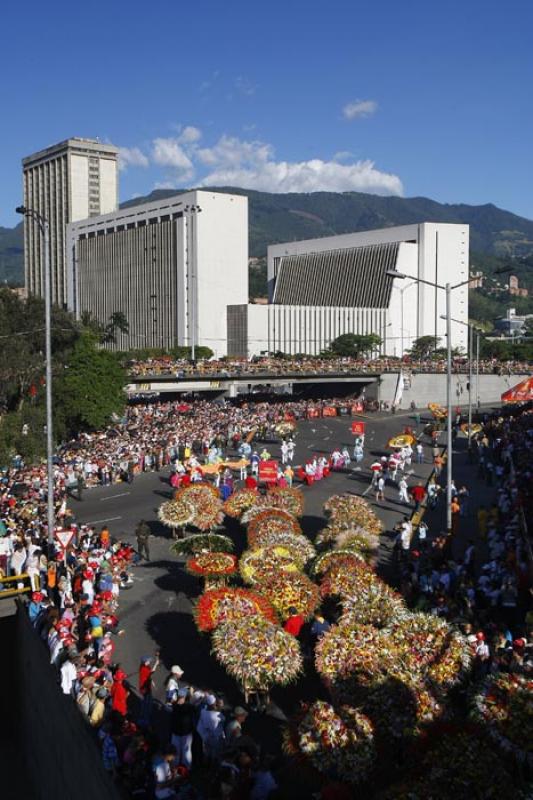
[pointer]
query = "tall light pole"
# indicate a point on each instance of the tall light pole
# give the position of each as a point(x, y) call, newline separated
point(402, 290)
point(448, 288)
point(44, 226)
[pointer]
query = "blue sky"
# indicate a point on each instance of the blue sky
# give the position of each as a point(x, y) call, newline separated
point(413, 98)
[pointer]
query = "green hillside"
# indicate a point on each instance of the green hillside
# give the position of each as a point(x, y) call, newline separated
point(286, 217)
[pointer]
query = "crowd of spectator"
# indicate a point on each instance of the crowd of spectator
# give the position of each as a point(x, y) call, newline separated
point(304, 365)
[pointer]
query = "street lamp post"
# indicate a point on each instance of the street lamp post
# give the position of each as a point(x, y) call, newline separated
point(45, 231)
point(448, 288)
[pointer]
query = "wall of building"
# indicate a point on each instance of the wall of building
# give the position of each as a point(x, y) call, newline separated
point(221, 264)
point(79, 187)
point(108, 186)
point(431, 252)
point(431, 388)
point(166, 267)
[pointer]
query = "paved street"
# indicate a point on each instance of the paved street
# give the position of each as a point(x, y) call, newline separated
point(156, 611)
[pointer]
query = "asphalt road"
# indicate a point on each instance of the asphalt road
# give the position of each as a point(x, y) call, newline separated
point(156, 612)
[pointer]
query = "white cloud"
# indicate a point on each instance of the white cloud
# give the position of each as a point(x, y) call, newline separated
point(251, 165)
point(170, 153)
point(359, 108)
point(189, 135)
point(131, 157)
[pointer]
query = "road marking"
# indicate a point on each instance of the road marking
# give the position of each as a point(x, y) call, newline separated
point(112, 496)
point(94, 521)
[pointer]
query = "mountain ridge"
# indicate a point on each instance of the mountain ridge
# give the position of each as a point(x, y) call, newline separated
point(277, 218)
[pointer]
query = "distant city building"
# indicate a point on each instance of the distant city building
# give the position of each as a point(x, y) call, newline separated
point(511, 324)
point(72, 180)
point(514, 288)
point(476, 281)
point(322, 288)
point(171, 266)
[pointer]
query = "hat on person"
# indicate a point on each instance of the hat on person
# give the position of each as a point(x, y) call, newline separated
point(37, 597)
point(176, 670)
point(210, 699)
point(120, 675)
point(239, 711)
point(480, 636)
point(145, 660)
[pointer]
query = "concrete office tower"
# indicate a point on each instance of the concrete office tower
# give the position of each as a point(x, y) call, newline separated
point(72, 180)
point(171, 266)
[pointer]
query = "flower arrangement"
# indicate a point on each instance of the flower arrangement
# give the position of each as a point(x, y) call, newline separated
point(336, 741)
point(325, 561)
point(198, 542)
point(285, 428)
point(176, 513)
point(298, 546)
point(210, 565)
point(347, 511)
point(261, 563)
point(257, 653)
point(227, 604)
point(376, 604)
point(356, 538)
point(505, 707)
point(347, 577)
point(289, 499)
point(291, 591)
point(274, 520)
point(205, 501)
point(239, 502)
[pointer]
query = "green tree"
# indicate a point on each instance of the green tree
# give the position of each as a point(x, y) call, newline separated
point(424, 346)
point(354, 344)
point(91, 388)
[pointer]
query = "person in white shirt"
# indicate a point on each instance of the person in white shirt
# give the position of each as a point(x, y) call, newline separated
point(419, 453)
point(68, 676)
point(292, 448)
point(211, 728)
point(380, 489)
point(402, 491)
point(284, 452)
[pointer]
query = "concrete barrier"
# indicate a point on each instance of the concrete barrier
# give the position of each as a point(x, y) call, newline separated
point(62, 758)
point(424, 388)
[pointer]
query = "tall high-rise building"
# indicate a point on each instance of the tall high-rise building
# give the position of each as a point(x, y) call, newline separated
point(72, 180)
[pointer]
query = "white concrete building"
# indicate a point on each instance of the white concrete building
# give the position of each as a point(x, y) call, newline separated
point(321, 288)
point(171, 266)
point(71, 180)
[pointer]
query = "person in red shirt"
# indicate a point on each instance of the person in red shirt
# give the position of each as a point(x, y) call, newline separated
point(294, 622)
point(418, 492)
point(119, 693)
point(146, 670)
point(250, 482)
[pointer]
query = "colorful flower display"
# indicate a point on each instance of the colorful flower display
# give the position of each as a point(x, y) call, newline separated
point(198, 542)
point(376, 604)
point(298, 546)
point(212, 565)
point(239, 502)
point(505, 706)
point(205, 501)
point(228, 604)
point(289, 499)
point(325, 561)
point(356, 538)
point(261, 563)
point(176, 513)
point(294, 590)
point(347, 577)
point(348, 510)
point(257, 653)
point(273, 520)
point(337, 741)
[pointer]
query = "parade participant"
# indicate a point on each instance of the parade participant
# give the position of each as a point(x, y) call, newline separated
point(142, 534)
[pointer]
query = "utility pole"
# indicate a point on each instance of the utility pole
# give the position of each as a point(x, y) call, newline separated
point(44, 227)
